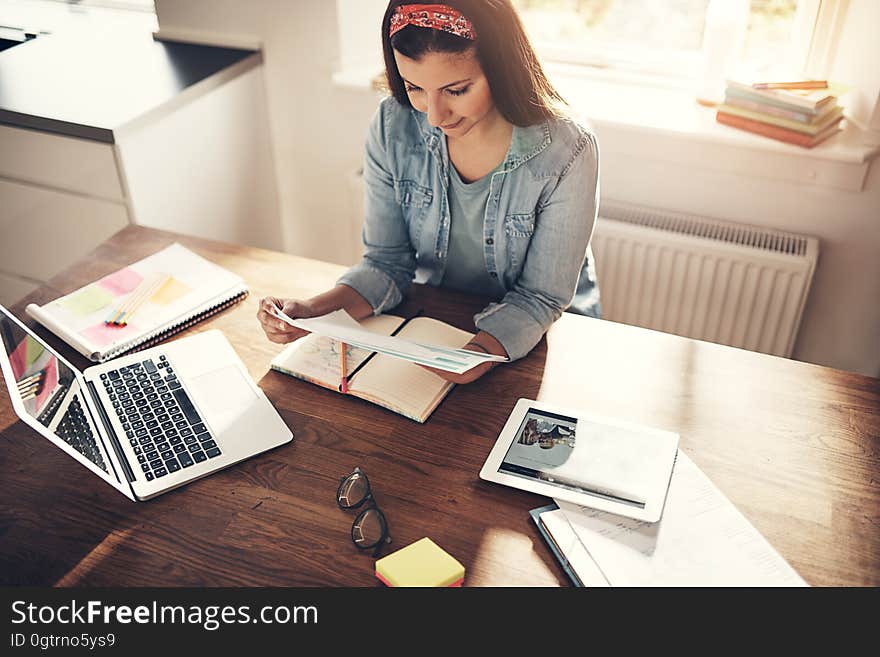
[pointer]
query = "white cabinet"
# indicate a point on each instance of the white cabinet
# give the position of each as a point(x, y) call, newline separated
point(59, 198)
point(67, 163)
point(200, 164)
point(49, 230)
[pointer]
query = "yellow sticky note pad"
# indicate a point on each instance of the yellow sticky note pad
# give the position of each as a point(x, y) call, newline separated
point(423, 563)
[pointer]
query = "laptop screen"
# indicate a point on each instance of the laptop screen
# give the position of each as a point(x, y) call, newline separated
point(49, 390)
point(41, 380)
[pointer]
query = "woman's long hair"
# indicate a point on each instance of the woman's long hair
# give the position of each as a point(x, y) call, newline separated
point(520, 90)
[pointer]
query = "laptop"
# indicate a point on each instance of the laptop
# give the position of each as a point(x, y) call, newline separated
point(147, 422)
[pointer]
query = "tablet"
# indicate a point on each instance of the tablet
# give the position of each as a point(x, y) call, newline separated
point(584, 459)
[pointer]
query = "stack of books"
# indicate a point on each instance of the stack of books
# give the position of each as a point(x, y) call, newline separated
point(804, 116)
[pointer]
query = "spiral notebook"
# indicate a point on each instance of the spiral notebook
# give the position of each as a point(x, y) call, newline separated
point(141, 304)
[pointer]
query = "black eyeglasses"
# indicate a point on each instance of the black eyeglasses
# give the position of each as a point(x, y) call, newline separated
point(369, 529)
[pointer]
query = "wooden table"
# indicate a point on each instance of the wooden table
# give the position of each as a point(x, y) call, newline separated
point(796, 447)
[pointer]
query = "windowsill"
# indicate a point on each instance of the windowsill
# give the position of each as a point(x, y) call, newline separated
point(647, 120)
point(675, 111)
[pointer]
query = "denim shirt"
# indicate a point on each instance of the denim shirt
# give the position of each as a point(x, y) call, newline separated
point(537, 226)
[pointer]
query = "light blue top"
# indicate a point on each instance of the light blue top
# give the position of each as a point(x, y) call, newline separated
point(465, 266)
point(537, 224)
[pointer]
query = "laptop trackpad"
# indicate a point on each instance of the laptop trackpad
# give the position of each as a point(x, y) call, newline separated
point(224, 396)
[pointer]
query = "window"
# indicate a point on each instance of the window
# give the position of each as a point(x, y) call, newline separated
point(666, 37)
point(139, 5)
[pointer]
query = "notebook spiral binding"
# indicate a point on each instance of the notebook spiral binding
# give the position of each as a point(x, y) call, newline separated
point(153, 339)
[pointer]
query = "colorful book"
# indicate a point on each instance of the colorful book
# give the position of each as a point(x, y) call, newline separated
point(157, 297)
point(393, 383)
point(776, 132)
point(802, 116)
point(814, 128)
point(773, 102)
point(810, 99)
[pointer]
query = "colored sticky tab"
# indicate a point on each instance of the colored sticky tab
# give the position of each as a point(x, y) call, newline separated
point(170, 292)
point(103, 334)
point(423, 563)
point(88, 300)
point(121, 282)
point(50, 381)
point(18, 359)
point(34, 350)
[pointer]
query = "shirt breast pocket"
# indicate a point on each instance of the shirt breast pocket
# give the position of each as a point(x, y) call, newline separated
point(412, 195)
point(519, 229)
point(414, 201)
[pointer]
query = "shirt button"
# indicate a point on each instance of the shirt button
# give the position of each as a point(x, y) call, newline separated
point(490, 241)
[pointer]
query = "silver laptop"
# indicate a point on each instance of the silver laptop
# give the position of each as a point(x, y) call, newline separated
point(147, 422)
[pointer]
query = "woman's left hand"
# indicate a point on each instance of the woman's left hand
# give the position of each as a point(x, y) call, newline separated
point(481, 343)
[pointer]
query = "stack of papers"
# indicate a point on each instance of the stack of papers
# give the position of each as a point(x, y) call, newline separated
point(701, 540)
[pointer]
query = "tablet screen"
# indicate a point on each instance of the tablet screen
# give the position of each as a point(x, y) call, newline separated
point(549, 448)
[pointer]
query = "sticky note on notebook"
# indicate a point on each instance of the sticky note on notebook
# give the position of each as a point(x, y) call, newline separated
point(423, 563)
point(86, 301)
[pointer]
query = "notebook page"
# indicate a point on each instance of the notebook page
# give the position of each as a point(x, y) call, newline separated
point(316, 358)
point(701, 540)
point(404, 386)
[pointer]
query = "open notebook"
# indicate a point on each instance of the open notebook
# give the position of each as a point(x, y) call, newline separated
point(156, 297)
point(395, 384)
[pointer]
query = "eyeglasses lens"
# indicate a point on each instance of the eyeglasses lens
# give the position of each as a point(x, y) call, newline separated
point(353, 491)
point(369, 528)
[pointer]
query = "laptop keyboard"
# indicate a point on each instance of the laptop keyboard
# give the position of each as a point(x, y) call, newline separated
point(162, 426)
point(75, 430)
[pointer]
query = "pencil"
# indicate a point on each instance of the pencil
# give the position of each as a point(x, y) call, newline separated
point(29, 379)
point(343, 384)
point(137, 298)
point(29, 387)
point(29, 393)
point(803, 84)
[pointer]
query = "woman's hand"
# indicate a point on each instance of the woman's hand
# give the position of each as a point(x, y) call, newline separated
point(341, 296)
point(482, 342)
point(277, 330)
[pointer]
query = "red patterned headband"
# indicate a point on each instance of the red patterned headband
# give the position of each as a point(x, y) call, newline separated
point(436, 17)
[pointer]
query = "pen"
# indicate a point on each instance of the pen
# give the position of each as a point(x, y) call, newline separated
point(343, 384)
point(803, 84)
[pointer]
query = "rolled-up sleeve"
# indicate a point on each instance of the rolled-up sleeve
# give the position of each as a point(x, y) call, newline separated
point(563, 226)
point(386, 271)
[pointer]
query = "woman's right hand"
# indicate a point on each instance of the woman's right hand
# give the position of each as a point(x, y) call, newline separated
point(277, 330)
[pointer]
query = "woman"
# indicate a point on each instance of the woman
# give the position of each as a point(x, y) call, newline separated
point(473, 181)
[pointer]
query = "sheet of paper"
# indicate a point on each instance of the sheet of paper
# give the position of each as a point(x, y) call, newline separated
point(557, 524)
point(340, 326)
point(316, 357)
point(701, 540)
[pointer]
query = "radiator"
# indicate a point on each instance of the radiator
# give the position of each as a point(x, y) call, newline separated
point(702, 278)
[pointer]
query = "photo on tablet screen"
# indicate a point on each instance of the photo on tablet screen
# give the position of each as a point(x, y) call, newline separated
point(546, 449)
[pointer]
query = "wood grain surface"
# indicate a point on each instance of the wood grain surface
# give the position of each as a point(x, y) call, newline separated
point(796, 447)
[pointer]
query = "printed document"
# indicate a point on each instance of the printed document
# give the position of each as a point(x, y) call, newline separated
point(701, 540)
point(339, 325)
